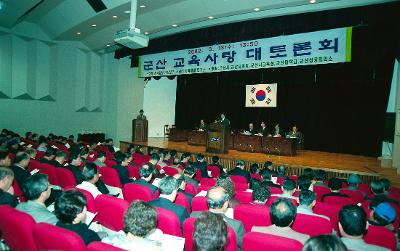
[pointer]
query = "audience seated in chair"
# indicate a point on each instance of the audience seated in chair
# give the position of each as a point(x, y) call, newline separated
point(281, 172)
point(261, 195)
point(201, 164)
point(37, 191)
point(307, 201)
point(266, 176)
point(218, 200)
point(354, 181)
point(189, 174)
point(100, 159)
point(210, 232)
point(282, 214)
point(240, 170)
point(383, 215)
point(70, 209)
point(140, 229)
point(59, 159)
point(168, 190)
point(352, 227)
point(19, 168)
point(91, 175)
point(320, 177)
point(304, 183)
point(182, 185)
point(146, 175)
point(6, 190)
point(379, 196)
point(324, 243)
point(48, 156)
point(268, 166)
point(288, 189)
point(226, 183)
point(334, 184)
point(122, 162)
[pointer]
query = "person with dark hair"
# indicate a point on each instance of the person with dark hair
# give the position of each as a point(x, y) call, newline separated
point(48, 156)
point(326, 242)
point(307, 201)
point(140, 225)
point(70, 209)
point(383, 215)
point(353, 181)
point(21, 163)
point(309, 172)
point(122, 162)
point(202, 126)
point(189, 174)
point(352, 227)
point(13, 145)
point(182, 185)
point(109, 144)
point(201, 164)
point(254, 168)
point(146, 175)
point(37, 191)
point(264, 130)
point(269, 166)
point(174, 157)
point(74, 166)
point(6, 190)
point(320, 176)
point(288, 189)
point(281, 172)
point(226, 183)
point(215, 162)
point(100, 159)
point(185, 160)
point(168, 191)
point(261, 195)
point(334, 184)
point(387, 184)
point(210, 232)
point(282, 213)
point(266, 176)
point(91, 177)
point(254, 184)
point(59, 159)
point(3, 144)
point(218, 200)
point(304, 182)
point(379, 196)
point(154, 158)
point(223, 120)
point(239, 170)
point(5, 160)
point(141, 115)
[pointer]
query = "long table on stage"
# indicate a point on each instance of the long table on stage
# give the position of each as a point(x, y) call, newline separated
point(242, 142)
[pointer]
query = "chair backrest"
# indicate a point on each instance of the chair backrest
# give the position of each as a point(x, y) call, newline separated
point(111, 211)
point(239, 186)
point(110, 162)
point(215, 173)
point(16, 228)
point(381, 236)
point(168, 222)
point(50, 171)
point(356, 195)
point(90, 203)
point(252, 215)
point(199, 203)
point(134, 192)
point(183, 201)
point(320, 191)
point(238, 179)
point(331, 211)
point(311, 225)
point(244, 197)
point(138, 159)
point(170, 171)
point(279, 180)
point(188, 230)
point(101, 246)
point(275, 190)
point(133, 172)
point(198, 176)
point(50, 237)
point(208, 182)
point(256, 176)
point(65, 177)
point(337, 200)
point(110, 176)
point(33, 164)
point(273, 198)
point(254, 241)
point(17, 191)
point(366, 188)
point(190, 188)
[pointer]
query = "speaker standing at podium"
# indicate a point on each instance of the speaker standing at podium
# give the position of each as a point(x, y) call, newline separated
point(224, 121)
point(141, 115)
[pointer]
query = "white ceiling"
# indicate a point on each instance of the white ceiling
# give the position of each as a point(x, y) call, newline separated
point(62, 19)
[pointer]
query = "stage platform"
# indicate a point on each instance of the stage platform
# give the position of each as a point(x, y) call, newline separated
point(336, 164)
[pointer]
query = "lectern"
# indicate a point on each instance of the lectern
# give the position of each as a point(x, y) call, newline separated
point(217, 138)
point(139, 130)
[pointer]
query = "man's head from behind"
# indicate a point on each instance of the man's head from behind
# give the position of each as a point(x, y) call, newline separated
point(70, 207)
point(307, 198)
point(304, 182)
point(352, 221)
point(217, 199)
point(282, 212)
point(181, 181)
point(210, 232)
point(146, 172)
point(6, 178)
point(168, 188)
point(37, 188)
point(289, 186)
point(377, 187)
point(101, 156)
point(140, 219)
point(22, 159)
point(320, 175)
point(240, 164)
point(261, 194)
point(334, 184)
point(189, 171)
point(90, 173)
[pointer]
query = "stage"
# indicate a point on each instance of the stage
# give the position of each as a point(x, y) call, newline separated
point(336, 164)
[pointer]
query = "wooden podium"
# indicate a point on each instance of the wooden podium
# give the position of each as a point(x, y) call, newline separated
point(217, 138)
point(139, 130)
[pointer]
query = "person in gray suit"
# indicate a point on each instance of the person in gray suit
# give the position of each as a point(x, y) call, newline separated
point(218, 200)
point(37, 190)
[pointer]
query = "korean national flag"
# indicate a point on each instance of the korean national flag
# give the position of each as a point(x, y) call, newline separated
point(261, 95)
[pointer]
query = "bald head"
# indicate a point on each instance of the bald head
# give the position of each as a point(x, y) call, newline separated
point(217, 198)
point(282, 212)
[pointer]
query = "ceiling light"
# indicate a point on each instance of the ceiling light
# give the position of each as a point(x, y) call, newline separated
point(127, 11)
point(115, 16)
point(256, 9)
point(107, 45)
point(78, 33)
point(146, 33)
point(142, 6)
point(93, 25)
point(174, 25)
point(210, 17)
point(313, 1)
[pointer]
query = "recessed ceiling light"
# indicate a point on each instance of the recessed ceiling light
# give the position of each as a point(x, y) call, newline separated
point(78, 33)
point(107, 45)
point(115, 16)
point(127, 11)
point(93, 25)
point(142, 6)
point(174, 25)
point(210, 17)
point(256, 9)
point(313, 1)
point(146, 33)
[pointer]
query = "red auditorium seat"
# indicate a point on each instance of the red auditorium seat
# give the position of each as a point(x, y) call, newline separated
point(110, 176)
point(202, 188)
point(256, 176)
point(208, 182)
point(215, 173)
point(253, 241)
point(331, 211)
point(320, 191)
point(198, 176)
point(16, 228)
point(244, 197)
point(168, 222)
point(188, 229)
point(252, 215)
point(17, 191)
point(366, 188)
point(199, 203)
point(340, 201)
point(110, 162)
point(279, 180)
point(240, 186)
point(170, 171)
point(101, 246)
point(182, 200)
point(50, 171)
point(357, 196)
point(65, 177)
point(90, 203)
point(190, 188)
point(33, 164)
point(50, 237)
point(111, 211)
point(138, 159)
point(275, 190)
point(381, 236)
point(133, 172)
point(295, 178)
point(134, 192)
point(238, 179)
point(312, 225)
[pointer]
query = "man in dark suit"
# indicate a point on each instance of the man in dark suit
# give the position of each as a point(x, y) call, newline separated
point(146, 174)
point(182, 185)
point(141, 115)
point(224, 121)
point(48, 156)
point(252, 130)
point(122, 161)
point(239, 170)
point(168, 191)
point(201, 165)
point(59, 159)
point(21, 162)
point(264, 130)
point(74, 167)
point(218, 200)
point(267, 178)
